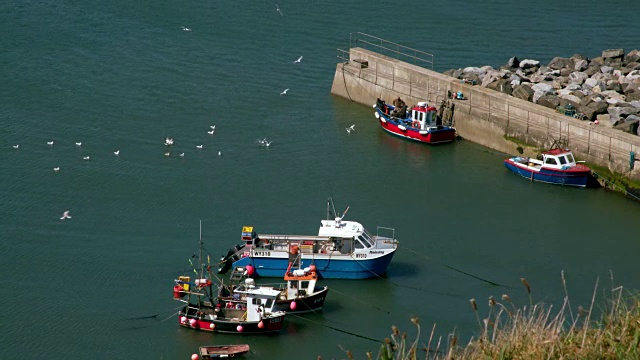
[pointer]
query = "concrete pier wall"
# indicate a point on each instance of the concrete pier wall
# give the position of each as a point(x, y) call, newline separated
point(486, 117)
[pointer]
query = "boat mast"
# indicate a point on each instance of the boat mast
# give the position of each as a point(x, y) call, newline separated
point(200, 256)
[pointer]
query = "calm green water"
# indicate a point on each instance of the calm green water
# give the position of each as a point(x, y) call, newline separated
point(123, 75)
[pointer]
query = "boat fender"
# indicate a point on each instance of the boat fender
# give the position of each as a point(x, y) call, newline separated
point(383, 120)
point(402, 127)
point(376, 115)
point(424, 132)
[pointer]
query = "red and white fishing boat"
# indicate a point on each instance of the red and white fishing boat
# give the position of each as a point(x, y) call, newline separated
point(252, 313)
point(421, 123)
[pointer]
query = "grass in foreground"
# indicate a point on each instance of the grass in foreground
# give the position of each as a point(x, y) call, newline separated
point(533, 331)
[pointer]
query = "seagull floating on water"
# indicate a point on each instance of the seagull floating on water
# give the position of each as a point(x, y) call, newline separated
point(167, 154)
point(16, 146)
point(199, 146)
point(299, 60)
point(219, 153)
point(278, 10)
point(86, 158)
point(181, 154)
point(284, 92)
point(65, 215)
point(186, 29)
point(78, 144)
point(50, 143)
point(116, 153)
point(56, 169)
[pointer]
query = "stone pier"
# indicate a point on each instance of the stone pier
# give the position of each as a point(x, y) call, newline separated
point(485, 117)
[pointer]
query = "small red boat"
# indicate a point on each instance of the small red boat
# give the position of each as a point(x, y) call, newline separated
point(421, 123)
point(223, 351)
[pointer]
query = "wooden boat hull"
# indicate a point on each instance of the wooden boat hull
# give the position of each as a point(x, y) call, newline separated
point(549, 176)
point(223, 351)
point(304, 304)
point(190, 320)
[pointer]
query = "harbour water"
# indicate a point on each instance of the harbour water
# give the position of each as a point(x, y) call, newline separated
point(123, 75)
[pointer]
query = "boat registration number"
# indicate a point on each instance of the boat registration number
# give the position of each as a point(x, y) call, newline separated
point(361, 256)
point(261, 253)
point(276, 320)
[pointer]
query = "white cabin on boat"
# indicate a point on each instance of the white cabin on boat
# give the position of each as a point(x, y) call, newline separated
point(260, 300)
point(425, 115)
point(560, 159)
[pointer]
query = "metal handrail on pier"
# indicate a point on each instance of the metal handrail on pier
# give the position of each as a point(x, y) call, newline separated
point(389, 48)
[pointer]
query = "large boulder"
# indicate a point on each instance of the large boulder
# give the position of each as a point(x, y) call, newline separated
point(558, 63)
point(614, 85)
point(615, 62)
point(474, 70)
point(529, 64)
point(550, 101)
point(635, 104)
point(501, 85)
point(578, 77)
point(593, 68)
point(619, 113)
point(593, 109)
point(523, 92)
point(604, 120)
point(513, 63)
point(613, 53)
point(630, 127)
point(581, 65)
point(573, 86)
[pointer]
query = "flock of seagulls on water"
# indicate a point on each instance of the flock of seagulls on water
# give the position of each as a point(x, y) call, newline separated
point(168, 142)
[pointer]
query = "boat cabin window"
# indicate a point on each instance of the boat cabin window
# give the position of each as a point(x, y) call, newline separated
point(256, 301)
point(304, 284)
point(269, 303)
point(551, 161)
point(367, 237)
point(562, 159)
point(570, 158)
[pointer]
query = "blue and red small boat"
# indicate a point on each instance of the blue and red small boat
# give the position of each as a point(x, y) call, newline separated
point(421, 123)
point(557, 166)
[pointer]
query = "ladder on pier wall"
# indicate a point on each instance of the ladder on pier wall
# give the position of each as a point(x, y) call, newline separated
point(446, 110)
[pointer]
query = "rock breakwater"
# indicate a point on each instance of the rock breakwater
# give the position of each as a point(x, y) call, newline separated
point(604, 90)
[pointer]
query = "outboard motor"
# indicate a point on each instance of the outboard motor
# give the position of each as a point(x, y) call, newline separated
point(232, 256)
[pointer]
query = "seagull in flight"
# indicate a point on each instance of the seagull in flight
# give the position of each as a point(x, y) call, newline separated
point(278, 10)
point(284, 92)
point(65, 215)
point(186, 29)
point(86, 158)
point(299, 60)
point(348, 130)
point(213, 127)
point(199, 146)
point(352, 127)
point(168, 141)
point(262, 141)
point(267, 143)
point(16, 146)
point(56, 169)
point(211, 132)
point(50, 143)
point(116, 153)
point(181, 154)
point(78, 144)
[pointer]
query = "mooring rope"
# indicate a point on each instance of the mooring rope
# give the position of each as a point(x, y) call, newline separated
point(335, 328)
point(616, 186)
point(454, 268)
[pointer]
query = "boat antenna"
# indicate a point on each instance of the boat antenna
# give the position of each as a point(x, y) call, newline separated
point(344, 213)
point(331, 209)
